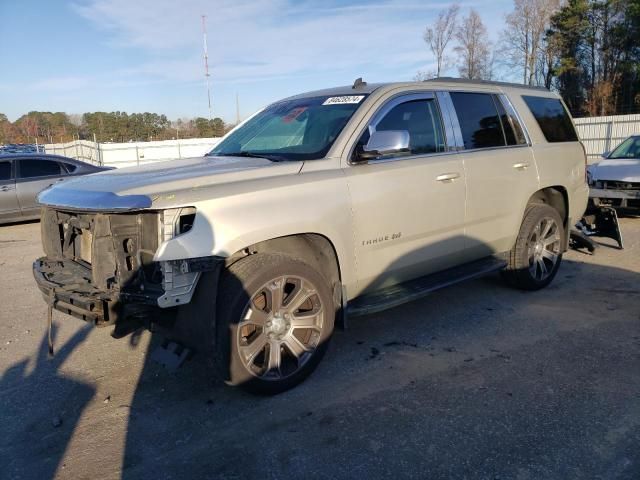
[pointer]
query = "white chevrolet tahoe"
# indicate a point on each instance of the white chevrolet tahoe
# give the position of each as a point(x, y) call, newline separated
point(319, 207)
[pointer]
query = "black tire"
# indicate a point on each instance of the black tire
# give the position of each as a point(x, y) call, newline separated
point(525, 270)
point(248, 290)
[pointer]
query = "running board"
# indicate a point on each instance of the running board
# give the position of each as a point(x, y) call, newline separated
point(414, 289)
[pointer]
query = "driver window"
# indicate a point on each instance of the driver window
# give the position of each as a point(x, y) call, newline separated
point(421, 119)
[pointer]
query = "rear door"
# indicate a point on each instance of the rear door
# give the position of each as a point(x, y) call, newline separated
point(500, 169)
point(33, 176)
point(9, 208)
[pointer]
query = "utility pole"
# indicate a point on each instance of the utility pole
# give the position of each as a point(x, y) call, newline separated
point(206, 62)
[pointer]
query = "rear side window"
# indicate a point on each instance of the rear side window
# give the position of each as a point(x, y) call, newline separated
point(5, 171)
point(552, 117)
point(70, 167)
point(479, 120)
point(421, 119)
point(39, 168)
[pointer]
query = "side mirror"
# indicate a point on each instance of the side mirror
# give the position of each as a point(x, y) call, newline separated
point(605, 154)
point(384, 143)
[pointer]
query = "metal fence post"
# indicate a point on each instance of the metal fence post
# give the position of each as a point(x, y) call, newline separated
point(179, 153)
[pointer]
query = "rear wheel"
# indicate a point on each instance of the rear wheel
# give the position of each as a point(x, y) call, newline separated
point(275, 318)
point(537, 253)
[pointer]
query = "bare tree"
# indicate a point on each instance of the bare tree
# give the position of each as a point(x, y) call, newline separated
point(473, 47)
point(440, 34)
point(422, 75)
point(523, 37)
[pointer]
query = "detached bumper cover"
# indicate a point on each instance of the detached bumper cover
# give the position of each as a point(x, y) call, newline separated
point(74, 294)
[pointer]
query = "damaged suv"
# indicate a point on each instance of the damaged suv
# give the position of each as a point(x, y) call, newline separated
point(319, 207)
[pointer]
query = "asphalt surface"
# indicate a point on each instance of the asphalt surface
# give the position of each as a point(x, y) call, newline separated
point(478, 381)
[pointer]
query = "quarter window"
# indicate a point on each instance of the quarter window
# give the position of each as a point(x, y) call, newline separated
point(478, 119)
point(5, 171)
point(553, 118)
point(39, 168)
point(421, 118)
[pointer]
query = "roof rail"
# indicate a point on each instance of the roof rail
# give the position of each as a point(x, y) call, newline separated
point(485, 82)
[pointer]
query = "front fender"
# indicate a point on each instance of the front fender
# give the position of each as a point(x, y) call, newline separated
point(318, 203)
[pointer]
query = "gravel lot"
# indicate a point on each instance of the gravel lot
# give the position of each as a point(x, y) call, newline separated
point(477, 381)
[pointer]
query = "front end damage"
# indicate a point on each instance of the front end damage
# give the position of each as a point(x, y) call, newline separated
point(615, 193)
point(100, 267)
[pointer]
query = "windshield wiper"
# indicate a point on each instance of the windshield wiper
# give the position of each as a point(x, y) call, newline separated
point(273, 158)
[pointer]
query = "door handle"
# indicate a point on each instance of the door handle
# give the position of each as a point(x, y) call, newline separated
point(6, 188)
point(447, 177)
point(521, 166)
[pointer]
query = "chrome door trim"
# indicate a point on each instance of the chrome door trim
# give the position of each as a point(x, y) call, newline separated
point(513, 113)
point(448, 110)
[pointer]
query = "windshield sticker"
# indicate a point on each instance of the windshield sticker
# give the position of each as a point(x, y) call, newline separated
point(343, 100)
point(293, 114)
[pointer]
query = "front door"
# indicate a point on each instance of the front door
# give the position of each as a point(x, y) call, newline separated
point(9, 208)
point(408, 211)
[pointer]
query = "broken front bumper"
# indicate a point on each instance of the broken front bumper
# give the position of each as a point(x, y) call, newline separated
point(67, 285)
point(615, 197)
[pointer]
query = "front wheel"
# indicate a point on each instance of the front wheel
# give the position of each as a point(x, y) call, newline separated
point(537, 253)
point(274, 321)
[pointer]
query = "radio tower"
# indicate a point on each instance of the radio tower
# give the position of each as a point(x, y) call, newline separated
point(206, 61)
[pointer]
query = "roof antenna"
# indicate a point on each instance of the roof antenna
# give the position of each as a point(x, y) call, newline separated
point(359, 83)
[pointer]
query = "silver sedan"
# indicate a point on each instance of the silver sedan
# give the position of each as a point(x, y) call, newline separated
point(23, 176)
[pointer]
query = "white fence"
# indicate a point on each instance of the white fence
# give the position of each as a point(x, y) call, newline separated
point(599, 135)
point(133, 153)
point(603, 134)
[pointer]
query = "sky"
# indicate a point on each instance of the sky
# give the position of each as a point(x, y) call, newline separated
point(146, 55)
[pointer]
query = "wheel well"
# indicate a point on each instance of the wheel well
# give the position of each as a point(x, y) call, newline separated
point(556, 197)
point(312, 248)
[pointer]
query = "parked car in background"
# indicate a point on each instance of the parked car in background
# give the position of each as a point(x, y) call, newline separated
point(23, 176)
point(615, 180)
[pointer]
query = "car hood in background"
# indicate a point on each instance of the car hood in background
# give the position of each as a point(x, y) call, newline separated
point(618, 169)
point(138, 187)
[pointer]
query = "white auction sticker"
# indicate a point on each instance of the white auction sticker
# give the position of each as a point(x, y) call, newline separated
point(343, 100)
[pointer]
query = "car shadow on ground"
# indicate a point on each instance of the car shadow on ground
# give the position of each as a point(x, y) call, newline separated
point(476, 381)
point(451, 386)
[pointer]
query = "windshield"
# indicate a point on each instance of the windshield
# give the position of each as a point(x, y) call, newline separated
point(300, 129)
point(630, 148)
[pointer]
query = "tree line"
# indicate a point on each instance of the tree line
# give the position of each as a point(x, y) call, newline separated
point(58, 127)
point(586, 50)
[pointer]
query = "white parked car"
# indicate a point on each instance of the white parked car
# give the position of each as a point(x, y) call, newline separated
point(615, 180)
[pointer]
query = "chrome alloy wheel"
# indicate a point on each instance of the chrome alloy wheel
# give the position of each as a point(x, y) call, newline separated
point(544, 248)
point(280, 328)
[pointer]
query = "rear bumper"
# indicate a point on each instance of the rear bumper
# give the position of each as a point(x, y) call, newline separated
point(67, 285)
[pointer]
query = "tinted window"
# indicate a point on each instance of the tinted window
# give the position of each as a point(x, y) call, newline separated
point(5, 171)
point(38, 168)
point(421, 119)
point(552, 117)
point(478, 120)
point(70, 167)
